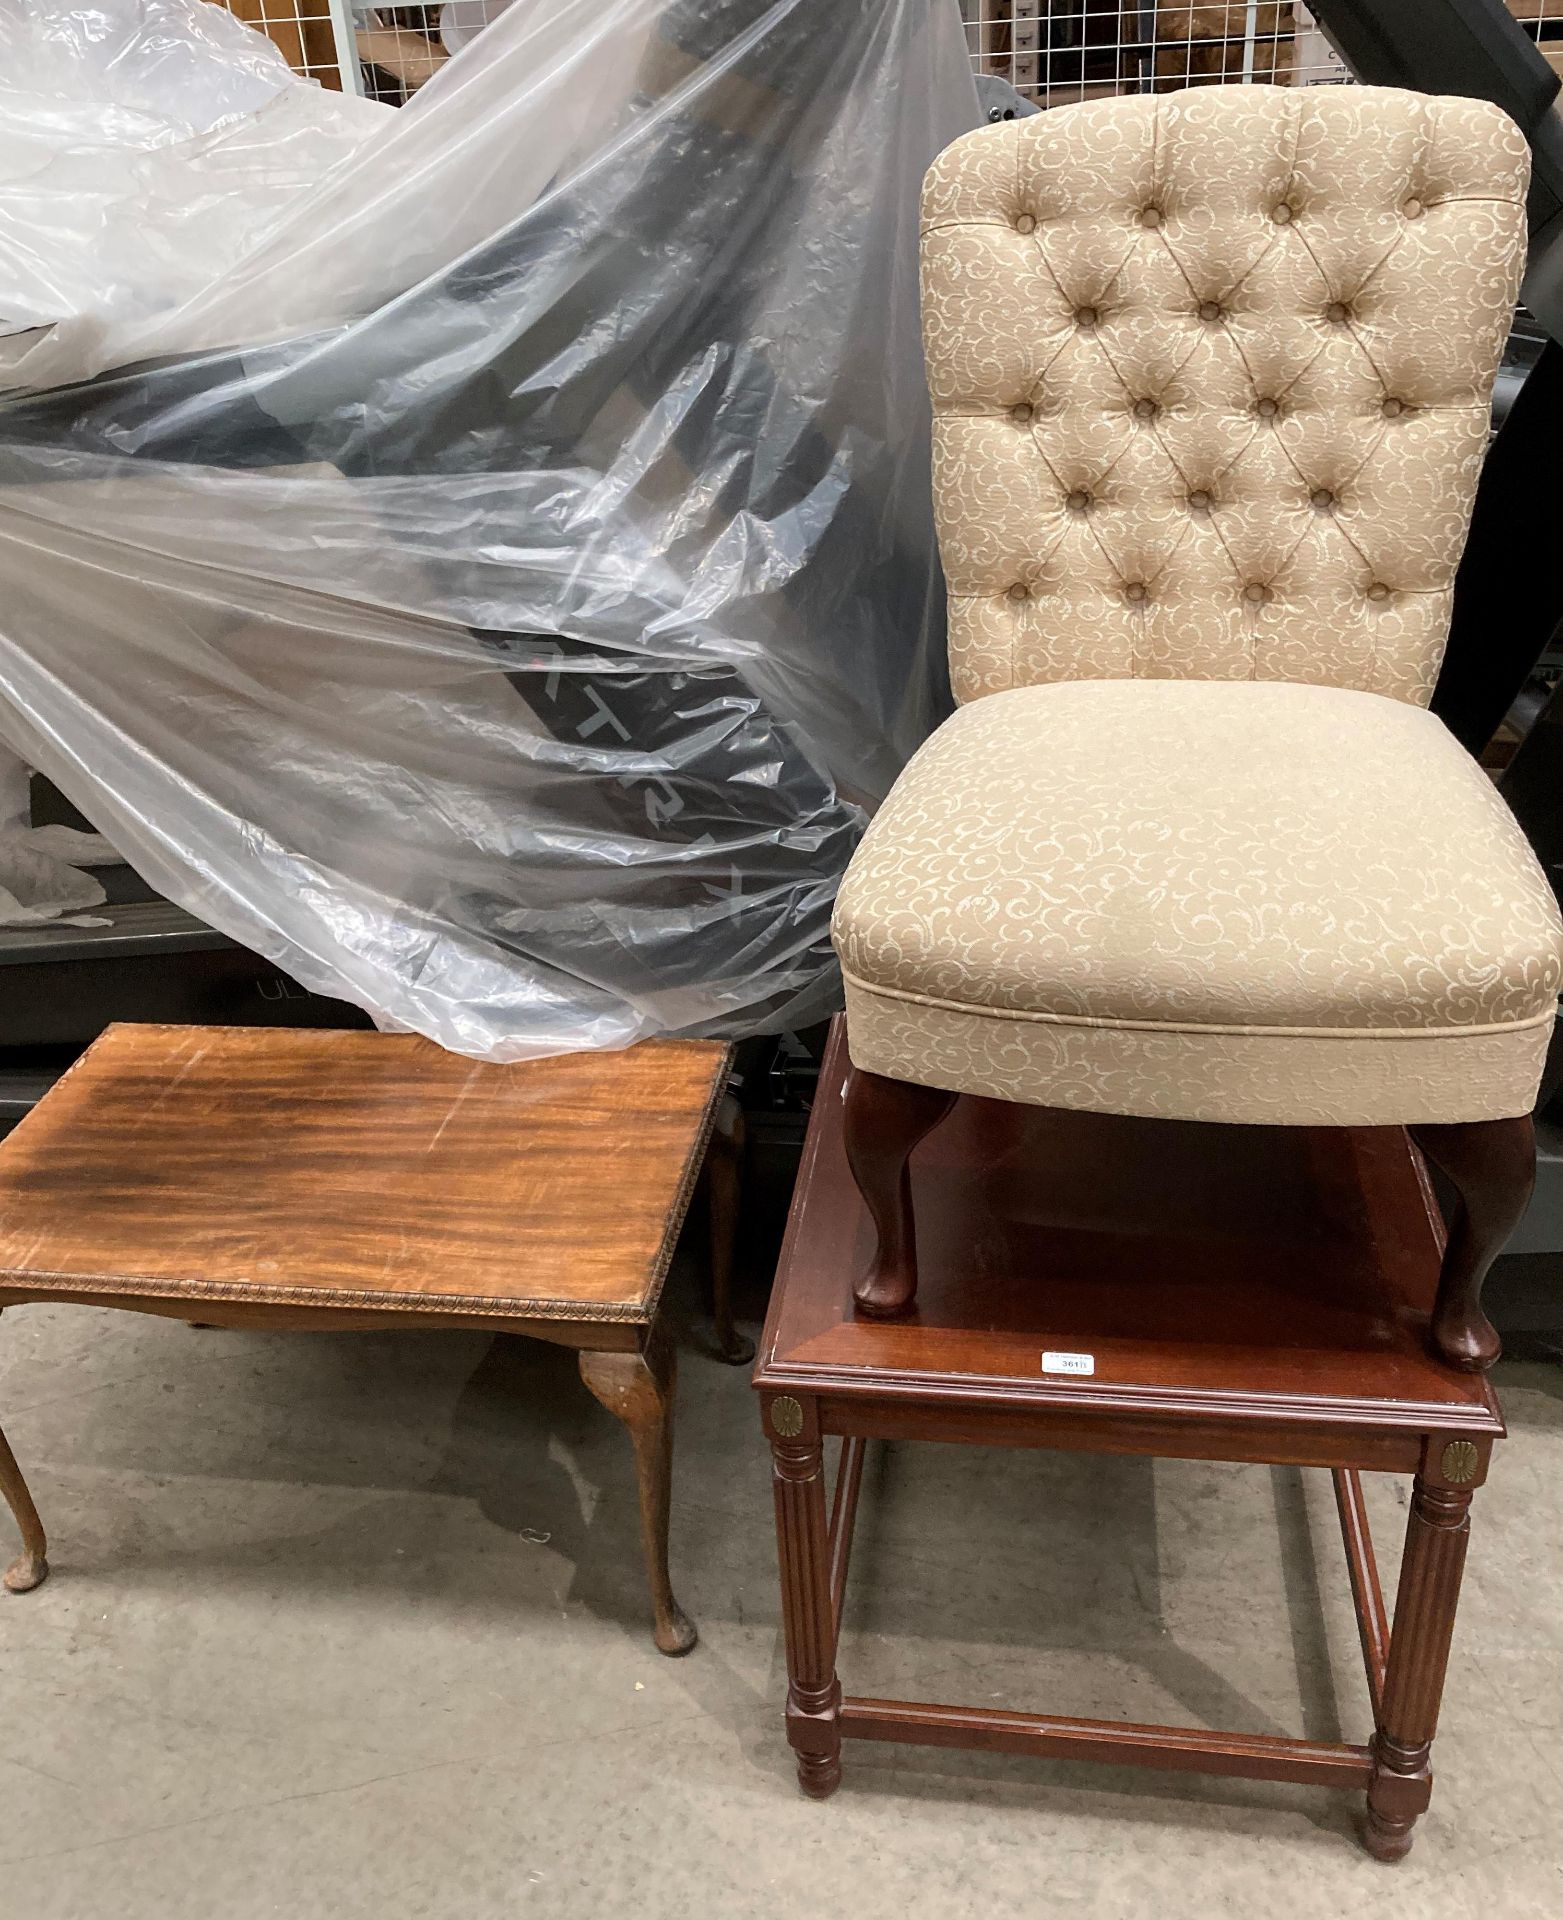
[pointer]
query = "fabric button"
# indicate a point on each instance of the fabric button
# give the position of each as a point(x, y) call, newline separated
point(1020, 591)
point(1392, 409)
point(1025, 222)
point(1281, 215)
point(1255, 593)
point(1337, 311)
point(1021, 414)
point(1268, 409)
point(1378, 591)
point(1321, 497)
point(1150, 216)
point(1210, 309)
point(1078, 501)
point(1136, 591)
point(1199, 500)
point(1413, 208)
point(1085, 316)
point(1145, 409)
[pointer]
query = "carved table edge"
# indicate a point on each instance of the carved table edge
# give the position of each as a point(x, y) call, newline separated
point(1012, 1393)
point(110, 1290)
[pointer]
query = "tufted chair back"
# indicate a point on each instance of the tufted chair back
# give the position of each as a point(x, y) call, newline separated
point(1211, 374)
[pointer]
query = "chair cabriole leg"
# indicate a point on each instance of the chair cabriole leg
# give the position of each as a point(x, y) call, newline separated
point(885, 1119)
point(1492, 1166)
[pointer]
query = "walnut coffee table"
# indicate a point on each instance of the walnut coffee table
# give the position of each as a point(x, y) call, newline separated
point(1094, 1284)
point(263, 1177)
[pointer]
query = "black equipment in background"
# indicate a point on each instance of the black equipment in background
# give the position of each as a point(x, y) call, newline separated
point(1509, 593)
point(1508, 602)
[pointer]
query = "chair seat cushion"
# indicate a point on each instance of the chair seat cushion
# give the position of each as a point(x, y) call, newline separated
point(1242, 901)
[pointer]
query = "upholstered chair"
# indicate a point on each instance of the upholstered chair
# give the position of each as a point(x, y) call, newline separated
point(1210, 376)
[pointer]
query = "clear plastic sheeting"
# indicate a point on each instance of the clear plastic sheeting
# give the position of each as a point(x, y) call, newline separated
point(500, 596)
point(39, 880)
point(143, 145)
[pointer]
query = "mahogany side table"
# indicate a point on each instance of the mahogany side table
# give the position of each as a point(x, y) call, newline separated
point(266, 1177)
point(1132, 1287)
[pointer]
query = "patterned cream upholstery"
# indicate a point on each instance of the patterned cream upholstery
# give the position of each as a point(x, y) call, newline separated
point(1180, 435)
point(1211, 376)
point(1205, 901)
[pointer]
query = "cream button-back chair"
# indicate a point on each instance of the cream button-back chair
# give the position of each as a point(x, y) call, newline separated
point(1210, 375)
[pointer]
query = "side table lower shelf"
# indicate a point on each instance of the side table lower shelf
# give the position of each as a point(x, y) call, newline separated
point(821, 1717)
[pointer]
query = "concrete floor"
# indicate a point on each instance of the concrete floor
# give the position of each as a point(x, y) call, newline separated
point(351, 1625)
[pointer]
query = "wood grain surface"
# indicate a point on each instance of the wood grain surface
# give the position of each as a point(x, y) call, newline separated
point(357, 1170)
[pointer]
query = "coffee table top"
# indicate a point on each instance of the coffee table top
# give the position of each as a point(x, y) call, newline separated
point(1251, 1275)
point(358, 1170)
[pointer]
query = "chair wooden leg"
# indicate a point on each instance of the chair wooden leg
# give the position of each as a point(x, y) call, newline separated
point(638, 1389)
point(885, 1119)
point(1437, 1533)
point(32, 1567)
point(724, 1187)
point(1492, 1166)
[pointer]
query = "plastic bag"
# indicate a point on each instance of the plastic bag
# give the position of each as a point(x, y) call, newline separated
point(500, 596)
point(40, 877)
point(15, 791)
point(144, 144)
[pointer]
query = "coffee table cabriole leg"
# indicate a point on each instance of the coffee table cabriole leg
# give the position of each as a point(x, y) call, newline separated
point(637, 1388)
point(804, 1551)
point(1437, 1533)
point(32, 1567)
point(724, 1186)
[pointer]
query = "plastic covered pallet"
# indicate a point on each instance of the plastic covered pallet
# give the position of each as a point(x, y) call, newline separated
point(499, 596)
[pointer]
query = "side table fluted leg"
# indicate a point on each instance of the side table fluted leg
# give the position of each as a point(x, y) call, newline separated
point(803, 1550)
point(1423, 1627)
